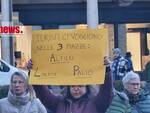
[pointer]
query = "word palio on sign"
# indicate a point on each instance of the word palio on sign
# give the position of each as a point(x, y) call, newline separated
point(10, 29)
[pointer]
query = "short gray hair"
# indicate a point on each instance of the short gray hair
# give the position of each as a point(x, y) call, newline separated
point(21, 74)
point(117, 50)
point(129, 76)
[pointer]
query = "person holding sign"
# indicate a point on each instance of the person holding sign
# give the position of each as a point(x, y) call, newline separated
point(78, 98)
point(21, 97)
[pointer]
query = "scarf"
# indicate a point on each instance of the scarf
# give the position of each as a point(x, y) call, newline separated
point(18, 100)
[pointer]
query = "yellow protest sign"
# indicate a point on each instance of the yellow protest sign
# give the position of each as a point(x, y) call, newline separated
point(68, 57)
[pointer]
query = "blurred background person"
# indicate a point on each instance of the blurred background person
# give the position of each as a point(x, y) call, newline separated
point(119, 65)
point(129, 64)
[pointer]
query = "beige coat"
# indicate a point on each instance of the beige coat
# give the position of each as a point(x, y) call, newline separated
point(23, 104)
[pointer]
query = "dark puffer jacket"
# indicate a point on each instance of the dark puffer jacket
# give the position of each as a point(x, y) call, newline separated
point(120, 104)
point(140, 103)
point(86, 104)
point(134, 104)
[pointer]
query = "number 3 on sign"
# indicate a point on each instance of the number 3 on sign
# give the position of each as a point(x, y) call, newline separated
point(60, 47)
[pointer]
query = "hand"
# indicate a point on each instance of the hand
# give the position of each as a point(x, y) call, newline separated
point(107, 61)
point(29, 65)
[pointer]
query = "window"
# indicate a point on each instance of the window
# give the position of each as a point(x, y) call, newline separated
point(148, 42)
point(4, 67)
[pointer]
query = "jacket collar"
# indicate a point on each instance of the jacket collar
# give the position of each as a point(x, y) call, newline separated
point(133, 99)
point(18, 100)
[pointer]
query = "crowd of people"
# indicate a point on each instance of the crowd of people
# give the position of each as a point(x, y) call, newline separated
point(23, 98)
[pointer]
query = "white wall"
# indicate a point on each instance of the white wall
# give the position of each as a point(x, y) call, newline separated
point(148, 41)
point(23, 41)
point(134, 46)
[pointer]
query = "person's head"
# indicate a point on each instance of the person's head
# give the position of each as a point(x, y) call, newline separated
point(131, 82)
point(128, 54)
point(19, 83)
point(116, 52)
point(77, 91)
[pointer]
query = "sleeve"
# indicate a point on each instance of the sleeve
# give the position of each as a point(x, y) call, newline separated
point(104, 97)
point(119, 105)
point(0, 108)
point(47, 98)
point(41, 107)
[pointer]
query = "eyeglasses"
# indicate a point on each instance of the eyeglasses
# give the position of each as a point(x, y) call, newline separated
point(134, 84)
